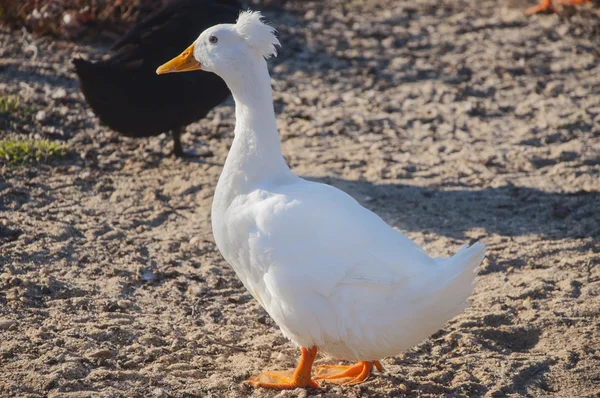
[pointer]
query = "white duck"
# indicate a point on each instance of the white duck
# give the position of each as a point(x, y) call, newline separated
point(332, 274)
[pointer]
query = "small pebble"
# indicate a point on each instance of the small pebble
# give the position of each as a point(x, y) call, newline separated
point(40, 116)
point(12, 295)
point(124, 304)
point(59, 93)
point(221, 359)
point(281, 357)
point(112, 235)
point(177, 343)
point(6, 325)
point(102, 353)
point(151, 340)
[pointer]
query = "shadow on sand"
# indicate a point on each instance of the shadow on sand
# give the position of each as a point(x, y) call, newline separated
point(453, 211)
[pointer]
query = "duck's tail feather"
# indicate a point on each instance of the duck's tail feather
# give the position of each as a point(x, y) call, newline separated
point(451, 287)
point(464, 263)
point(459, 277)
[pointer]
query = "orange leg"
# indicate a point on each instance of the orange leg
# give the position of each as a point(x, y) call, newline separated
point(546, 5)
point(287, 379)
point(340, 374)
point(543, 5)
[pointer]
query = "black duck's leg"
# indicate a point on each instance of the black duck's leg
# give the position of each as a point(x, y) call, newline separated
point(177, 150)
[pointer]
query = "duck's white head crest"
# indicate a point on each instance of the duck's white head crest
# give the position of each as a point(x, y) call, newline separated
point(227, 49)
point(259, 35)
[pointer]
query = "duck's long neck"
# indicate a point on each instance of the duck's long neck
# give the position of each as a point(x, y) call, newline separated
point(255, 154)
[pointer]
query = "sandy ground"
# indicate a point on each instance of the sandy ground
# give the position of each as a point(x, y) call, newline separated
point(454, 120)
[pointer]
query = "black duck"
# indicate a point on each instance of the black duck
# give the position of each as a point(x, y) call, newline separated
point(124, 90)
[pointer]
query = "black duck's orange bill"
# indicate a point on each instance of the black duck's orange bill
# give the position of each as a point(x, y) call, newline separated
point(184, 62)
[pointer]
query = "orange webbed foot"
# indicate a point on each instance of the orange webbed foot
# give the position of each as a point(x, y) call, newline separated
point(546, 5)
point(280, 380)
point(340, 374)
point(288, 379)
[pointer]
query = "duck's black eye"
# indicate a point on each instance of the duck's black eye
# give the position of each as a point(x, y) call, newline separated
point(213, 39)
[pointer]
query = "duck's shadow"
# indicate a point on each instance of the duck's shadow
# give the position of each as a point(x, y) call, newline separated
point(462, 212)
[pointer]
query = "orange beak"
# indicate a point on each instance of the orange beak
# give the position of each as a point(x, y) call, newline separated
point(184, 62)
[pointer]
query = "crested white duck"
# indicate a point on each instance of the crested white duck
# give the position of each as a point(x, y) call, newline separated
point(332, 274)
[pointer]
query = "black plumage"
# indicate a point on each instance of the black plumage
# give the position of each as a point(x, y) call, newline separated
point(124, 90)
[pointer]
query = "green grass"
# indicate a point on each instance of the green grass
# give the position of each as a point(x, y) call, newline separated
point(9, 103)
point(20, 151)
point(12, 104)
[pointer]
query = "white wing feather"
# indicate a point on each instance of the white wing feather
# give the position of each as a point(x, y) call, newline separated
point(329, 239)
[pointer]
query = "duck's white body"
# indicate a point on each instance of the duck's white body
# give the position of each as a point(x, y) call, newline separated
point(331, 273)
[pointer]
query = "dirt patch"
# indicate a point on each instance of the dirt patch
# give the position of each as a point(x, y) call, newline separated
point(455, 121)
